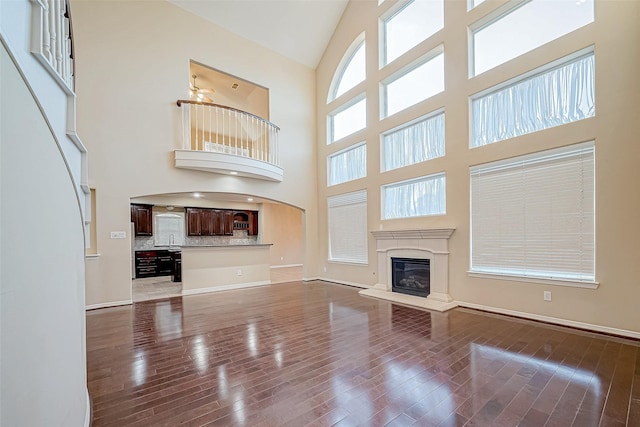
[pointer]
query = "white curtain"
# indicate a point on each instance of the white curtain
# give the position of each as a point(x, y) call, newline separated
point(424, 196)
point(414, 144)
point(348, 165)
point(533, 216)
point(562, 95)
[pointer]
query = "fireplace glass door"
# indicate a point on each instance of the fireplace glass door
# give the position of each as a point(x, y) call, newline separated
point(410, 276)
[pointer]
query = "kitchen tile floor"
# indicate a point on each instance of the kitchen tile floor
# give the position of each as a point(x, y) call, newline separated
point(151, 288)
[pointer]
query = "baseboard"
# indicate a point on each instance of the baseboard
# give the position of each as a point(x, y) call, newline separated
point(344, 282)
point(286, 266)
point(554, 320)
point(108, 304)
point(310, 279)
point(225, 287)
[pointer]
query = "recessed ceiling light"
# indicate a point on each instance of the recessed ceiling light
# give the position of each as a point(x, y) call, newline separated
point(197, 195)
point(233, 173)
point(249, 199)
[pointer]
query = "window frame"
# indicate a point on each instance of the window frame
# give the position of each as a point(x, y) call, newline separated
point(411, 181)
point(341, 152)
point(345, 106)
point(344, 63)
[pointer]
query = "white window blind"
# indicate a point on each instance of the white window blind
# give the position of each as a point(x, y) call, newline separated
point(533, 216)
point(348, 227)
point(415, 143)
point(562, 95)
point(348, 165)
point(418, 197)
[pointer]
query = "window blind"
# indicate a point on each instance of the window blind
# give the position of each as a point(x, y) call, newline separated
point(348, 227)
point(533, 216)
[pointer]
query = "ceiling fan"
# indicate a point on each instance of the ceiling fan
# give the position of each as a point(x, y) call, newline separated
point(199, 94)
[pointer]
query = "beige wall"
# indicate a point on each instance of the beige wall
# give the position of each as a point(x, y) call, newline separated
point(615, 130)
point(132, 63)
point(282, 226)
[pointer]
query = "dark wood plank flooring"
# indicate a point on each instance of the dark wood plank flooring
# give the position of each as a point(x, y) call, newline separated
point(319, 354)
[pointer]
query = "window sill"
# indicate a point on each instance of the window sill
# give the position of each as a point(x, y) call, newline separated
point(539, 280)
point(340, 261)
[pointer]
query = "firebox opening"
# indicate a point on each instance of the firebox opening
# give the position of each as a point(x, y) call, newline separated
point(411, 276)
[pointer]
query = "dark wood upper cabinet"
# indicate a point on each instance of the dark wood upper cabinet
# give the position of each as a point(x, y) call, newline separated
point(227, 223)
point(142, 218)
point(253, 223)
point(207, 222)
point(194, 222)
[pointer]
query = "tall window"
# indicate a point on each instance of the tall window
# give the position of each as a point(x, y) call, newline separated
point(347, 120)
point(530, 25)
point(417, 197)
point(413, 85)
point(533, 216)
point(348, 227)
point(352, 72)
point(561, 95)
point(408, 26)
point(414, 143)
point(348, 164)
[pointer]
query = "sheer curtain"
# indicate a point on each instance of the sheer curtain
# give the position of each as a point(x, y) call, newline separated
point(414, 144)
point(420, 197)
point(348, 165)
point(562, 95)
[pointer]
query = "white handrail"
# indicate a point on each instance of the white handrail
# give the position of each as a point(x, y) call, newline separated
point(220, 129)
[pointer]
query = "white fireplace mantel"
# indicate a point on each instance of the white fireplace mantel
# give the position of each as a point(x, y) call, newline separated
point(431, 244)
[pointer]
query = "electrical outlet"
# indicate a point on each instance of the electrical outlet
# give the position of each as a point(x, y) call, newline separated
point(325, 269)
point(547, 295)
point(239, 272)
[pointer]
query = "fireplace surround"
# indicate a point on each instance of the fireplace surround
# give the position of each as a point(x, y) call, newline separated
point(426, 244)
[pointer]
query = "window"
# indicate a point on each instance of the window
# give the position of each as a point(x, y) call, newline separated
point(533, 216)
point(418, 197)
point(169, 229)
point(348, 120)
point(561, 95)
point(353, 72)
point(410, 25)
point(528, 26)
point(473, 3)
point(348, 227)
point(413, 86)
point(414, 143)
point(348, 164)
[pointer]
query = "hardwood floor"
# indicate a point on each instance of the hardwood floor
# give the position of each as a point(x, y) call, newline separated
point(319, 354)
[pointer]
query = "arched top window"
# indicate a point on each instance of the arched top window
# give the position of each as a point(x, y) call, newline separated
point(351, 70)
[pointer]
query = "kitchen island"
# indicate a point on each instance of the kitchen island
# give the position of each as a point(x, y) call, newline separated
point(224, 267)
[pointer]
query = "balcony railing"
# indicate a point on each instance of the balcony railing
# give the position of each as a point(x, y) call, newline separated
point(216, 128)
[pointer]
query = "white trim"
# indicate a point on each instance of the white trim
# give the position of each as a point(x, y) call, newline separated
point(91, 256)
point(108, 304)
point(221, 163)
point(87, 413)
point(530, 279)
point(432, 233)
point(225, 287)
point(563, 322)
point(286, 266)
point(344, 282)
point(310, 279)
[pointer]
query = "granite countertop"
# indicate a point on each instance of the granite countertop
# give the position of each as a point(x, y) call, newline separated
point(228, 246)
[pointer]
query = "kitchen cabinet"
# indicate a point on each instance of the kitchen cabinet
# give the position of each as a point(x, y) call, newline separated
point(253, 223)
point(246, 220)
point(209, 222)
point(142, 218)
point(194, 221)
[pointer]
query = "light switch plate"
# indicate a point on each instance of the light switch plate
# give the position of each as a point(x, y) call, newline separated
point(118, 234)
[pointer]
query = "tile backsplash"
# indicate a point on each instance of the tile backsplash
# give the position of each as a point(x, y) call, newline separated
point(240, 237)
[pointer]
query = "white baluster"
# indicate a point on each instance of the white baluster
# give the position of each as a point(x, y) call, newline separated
point(46, 36)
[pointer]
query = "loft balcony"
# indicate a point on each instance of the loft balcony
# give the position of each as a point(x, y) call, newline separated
point(228, 141)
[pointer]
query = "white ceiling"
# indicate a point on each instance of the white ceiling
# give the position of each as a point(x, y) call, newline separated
point(297, 29)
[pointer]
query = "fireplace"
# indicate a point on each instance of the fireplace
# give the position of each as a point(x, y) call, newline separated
point(411, 276)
